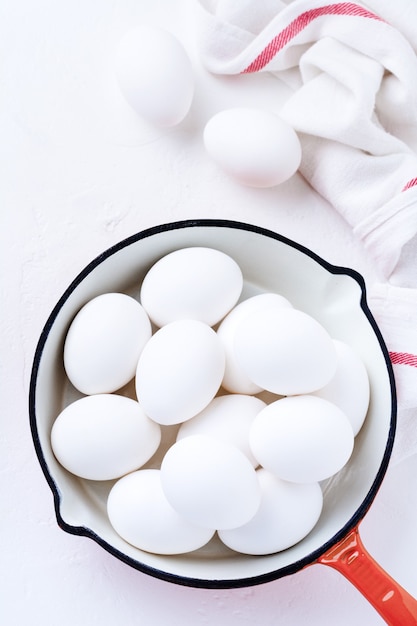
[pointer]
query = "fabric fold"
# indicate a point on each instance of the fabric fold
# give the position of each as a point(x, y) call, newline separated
point(354, 80)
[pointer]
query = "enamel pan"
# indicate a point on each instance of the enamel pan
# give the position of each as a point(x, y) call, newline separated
point(336, 297)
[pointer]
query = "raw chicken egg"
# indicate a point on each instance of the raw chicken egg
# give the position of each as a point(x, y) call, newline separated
point(103, 437)
point(155, 75)
point(349, 388)
point(191, 283)
point(209, 482)
point(227, 418)
point(104, 341)
point(140, 513)
point(255, 147)
point(287, 513)
point(285, 351)
point(235, 379)
point(302, 438)
point(179, 371)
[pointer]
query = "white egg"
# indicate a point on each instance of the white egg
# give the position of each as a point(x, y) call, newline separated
point(191, 283)
point(227, 418)
point(255, 147)
point(155, 75)
point(287, 513)
point(103, 437)
point(302, 439)
point(235, 379)
point(285, 351)
point(349, 388)
point(179, 371)
point(209, 482)
point(140, 513)
point(104, 341)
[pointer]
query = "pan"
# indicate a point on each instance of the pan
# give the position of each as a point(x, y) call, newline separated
point(336, 297)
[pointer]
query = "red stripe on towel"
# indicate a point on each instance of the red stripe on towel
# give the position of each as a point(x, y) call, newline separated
point(403, 358)
point(411, 183)
point(301, 22)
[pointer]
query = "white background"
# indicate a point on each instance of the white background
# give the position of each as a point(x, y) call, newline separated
point(79, 171)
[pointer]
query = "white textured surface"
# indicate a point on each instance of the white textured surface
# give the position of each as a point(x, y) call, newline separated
point(79, 172)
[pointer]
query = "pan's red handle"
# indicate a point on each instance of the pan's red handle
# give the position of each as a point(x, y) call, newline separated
point(349, 557)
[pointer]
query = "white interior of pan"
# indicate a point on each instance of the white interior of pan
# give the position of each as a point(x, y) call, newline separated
point(267, 265)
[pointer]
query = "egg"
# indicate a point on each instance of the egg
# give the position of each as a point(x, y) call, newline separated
point(103, 437)
point(285, 351)
point(140, 513)
point(349, 388)
point(209, 482)
point(179, 371)
point(287, 513)
point(227, 418)
point(104, 341)
point(191, 283)
point(255, 147)
point(235, 379)
point(155, 75)
point(302, 438)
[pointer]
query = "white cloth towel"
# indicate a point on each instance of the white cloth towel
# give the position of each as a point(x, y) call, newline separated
point(352, 69)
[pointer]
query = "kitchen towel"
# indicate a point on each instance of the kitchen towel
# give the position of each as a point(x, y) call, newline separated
point(352, 72)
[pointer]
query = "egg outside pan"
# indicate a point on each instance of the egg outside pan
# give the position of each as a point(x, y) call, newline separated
point(155, 75)
point(335, 296)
